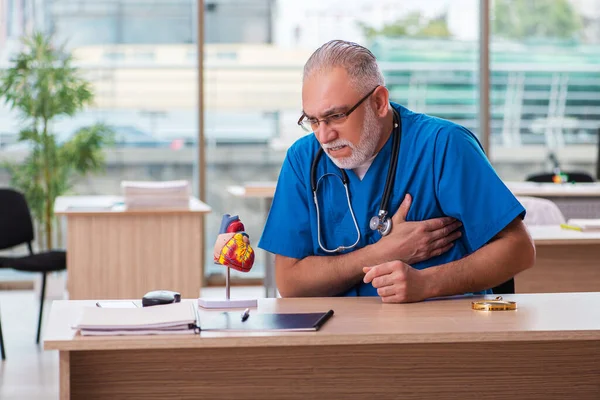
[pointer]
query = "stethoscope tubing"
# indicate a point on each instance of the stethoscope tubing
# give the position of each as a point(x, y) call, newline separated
point(384, 223)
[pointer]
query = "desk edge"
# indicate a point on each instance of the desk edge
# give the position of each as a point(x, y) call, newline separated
point(317, 339)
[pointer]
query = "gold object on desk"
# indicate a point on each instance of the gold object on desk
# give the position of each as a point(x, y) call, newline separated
point(494, 305)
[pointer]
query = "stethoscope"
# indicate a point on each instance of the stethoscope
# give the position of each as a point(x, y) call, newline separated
point(380, 222)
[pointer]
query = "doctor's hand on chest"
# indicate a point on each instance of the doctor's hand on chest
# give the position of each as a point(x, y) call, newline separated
point(413, 242)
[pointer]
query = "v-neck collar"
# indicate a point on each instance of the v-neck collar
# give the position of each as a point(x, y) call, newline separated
point(366, 166)
point(378, 167)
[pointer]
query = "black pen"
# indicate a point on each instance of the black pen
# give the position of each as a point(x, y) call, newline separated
point(245, 314)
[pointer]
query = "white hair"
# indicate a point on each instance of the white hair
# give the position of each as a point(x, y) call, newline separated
point(358, 61)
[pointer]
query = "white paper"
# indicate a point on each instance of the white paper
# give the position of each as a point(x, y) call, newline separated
point(175, 315)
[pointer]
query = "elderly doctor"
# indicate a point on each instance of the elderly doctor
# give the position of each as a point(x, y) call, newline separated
point(383, 201)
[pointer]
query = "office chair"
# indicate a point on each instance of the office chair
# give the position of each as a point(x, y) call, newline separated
point(575, 176)
point(598, 156)
point(541, 211)
point(2, 343)
point(17, 229)
point(507, 287)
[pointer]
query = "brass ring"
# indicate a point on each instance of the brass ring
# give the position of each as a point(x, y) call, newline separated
point(494, 305)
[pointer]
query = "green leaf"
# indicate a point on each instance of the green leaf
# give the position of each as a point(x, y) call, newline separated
point(84, 150)
point(29, 134)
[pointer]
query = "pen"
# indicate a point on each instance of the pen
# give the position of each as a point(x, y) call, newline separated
point(245, 314)
point(574, 228)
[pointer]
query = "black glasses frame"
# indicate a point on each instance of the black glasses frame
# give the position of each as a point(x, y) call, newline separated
point(333, 117)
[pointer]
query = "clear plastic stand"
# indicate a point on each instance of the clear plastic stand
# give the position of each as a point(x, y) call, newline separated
point(227, 302)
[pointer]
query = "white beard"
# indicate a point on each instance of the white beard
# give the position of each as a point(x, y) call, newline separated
point(365, 148)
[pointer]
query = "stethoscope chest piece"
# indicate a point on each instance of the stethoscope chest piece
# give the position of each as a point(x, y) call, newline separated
point(381, 223)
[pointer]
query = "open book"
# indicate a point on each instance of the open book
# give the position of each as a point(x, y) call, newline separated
point(168, 319)
point(584, 224)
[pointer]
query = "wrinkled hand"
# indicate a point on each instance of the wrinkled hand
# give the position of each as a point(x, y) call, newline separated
point(397, 282)
point(417, 241)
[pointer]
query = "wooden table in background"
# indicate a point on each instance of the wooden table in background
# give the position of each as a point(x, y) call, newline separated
point(580, 200)
point(114, 253)
point(566, 261)
point(548, 349)
point(550, 190)
point(575, 200)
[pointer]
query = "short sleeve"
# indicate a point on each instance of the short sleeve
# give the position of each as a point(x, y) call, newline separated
point(287, 231)
point(468, 188)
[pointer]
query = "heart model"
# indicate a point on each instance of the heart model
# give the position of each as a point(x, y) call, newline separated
point(232, 248)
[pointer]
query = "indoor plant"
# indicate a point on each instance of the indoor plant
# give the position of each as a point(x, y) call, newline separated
point(42, 84)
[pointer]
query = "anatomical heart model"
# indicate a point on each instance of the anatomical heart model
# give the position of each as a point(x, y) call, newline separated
point(232, 248)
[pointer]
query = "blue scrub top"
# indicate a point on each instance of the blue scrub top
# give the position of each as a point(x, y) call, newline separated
point(441, 164)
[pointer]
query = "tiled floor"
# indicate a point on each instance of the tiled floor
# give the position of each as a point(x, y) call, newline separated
point(30, 373)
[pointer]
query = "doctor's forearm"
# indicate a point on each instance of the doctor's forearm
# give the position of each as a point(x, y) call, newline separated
point(510, 253)
point(323, 276)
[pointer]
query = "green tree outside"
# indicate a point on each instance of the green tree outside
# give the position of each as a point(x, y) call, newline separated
point(525, 19)
point(412, 25)
point(512, 19)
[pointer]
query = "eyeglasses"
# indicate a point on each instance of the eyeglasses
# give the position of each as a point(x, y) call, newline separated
point(311, 124)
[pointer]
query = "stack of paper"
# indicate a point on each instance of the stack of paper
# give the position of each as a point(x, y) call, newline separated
point(168, 319)
point(585, 225)
point(165, 194)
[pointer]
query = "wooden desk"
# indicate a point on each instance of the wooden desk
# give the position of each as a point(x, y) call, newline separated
point(566, 261)
point(261, 190)
point(580, 200)
point(590, 190)
point(114, 253)
point(554, 190)
point(548, 349)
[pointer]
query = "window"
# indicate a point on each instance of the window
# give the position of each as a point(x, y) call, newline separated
point(135, 55)
point(545, 86)
point(252, 82)
point(141, 58)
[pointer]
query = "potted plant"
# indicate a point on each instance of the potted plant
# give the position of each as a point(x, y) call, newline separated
point(42, 84)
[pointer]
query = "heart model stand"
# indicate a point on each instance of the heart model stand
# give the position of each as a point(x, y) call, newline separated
point(232, 250)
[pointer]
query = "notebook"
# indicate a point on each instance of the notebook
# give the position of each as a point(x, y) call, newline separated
point(168, 319)
point(297, 322)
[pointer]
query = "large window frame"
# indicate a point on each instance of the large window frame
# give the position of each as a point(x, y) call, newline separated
point(484, 96)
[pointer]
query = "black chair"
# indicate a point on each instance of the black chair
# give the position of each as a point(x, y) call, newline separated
point(2, 343)
point(575, 176)
point(507, 287)
point(16, 228)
